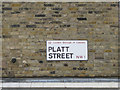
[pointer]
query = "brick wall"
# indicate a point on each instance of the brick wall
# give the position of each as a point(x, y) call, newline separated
point(27, 26)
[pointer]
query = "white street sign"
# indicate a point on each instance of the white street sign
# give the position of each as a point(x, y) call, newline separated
point(67, 50)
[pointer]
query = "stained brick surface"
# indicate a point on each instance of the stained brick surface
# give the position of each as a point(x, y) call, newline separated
point(27, 26)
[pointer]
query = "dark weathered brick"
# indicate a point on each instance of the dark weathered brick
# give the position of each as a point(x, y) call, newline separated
point(16, 25)
point(57, 8)
point(15, 12)
point(56, 22)
point(31, 26)
point(97, 12)
point(65, 25)
point(40, 61)
point(48, 5)
point(74, 68)
point(65, 64)
point(81, 19)
point(24, 8)
point(56, 15)
point(7, 8)
point(53, 72)
point(90, 12)
point(6, 36)
point(114, 5)
point(40, 15)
